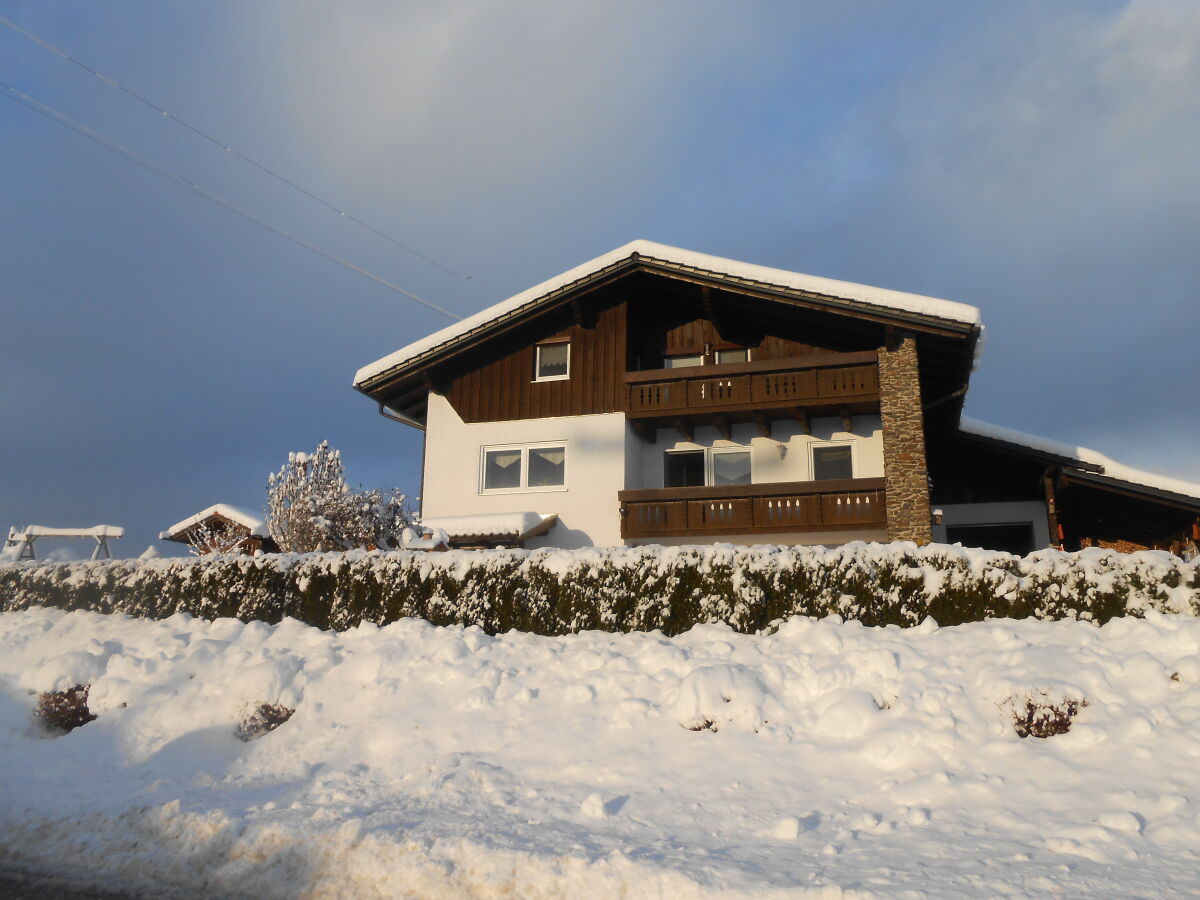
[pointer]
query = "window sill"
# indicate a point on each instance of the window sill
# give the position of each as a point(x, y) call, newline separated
point(556, 489)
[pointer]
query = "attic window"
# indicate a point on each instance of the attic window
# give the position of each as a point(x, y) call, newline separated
point(553, 362)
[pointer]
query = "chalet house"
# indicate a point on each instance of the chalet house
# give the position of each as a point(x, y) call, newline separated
point(656, 395)
point(222, 528)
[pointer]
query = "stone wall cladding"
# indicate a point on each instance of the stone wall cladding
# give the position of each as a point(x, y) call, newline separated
point(905, 471)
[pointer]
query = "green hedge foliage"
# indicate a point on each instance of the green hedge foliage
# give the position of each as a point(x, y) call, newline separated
point(621, 588)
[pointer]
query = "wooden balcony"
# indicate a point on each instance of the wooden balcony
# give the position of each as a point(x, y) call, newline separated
point(844, 505)
point(834, 384)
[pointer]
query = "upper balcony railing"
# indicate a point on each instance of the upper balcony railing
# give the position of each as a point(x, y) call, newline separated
point(833, 380)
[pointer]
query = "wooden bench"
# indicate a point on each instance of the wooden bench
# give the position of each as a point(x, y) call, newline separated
point(100, 533)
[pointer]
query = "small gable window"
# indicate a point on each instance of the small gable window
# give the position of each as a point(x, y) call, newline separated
point(553, 361)
point(736, 355)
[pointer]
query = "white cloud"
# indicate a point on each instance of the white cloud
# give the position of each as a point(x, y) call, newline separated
point(1062, 127)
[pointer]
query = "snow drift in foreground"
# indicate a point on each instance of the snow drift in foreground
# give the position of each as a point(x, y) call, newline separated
point(829, 759)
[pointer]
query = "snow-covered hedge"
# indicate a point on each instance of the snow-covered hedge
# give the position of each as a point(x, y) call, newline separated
point(621, 589)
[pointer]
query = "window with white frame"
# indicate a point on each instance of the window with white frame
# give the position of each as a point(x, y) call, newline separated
point(552, 361)
point(700, 468)
point(523, 467)
point(832, 461)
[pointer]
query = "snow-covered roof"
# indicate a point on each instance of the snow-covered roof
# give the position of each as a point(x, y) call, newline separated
point(880, 298)
point(250, 519)
point(1109, 468)
point(512, 525)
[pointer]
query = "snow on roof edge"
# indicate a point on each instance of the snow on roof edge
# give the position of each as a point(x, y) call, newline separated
point(848, 290)
point(252, 520)
point(1109, 468)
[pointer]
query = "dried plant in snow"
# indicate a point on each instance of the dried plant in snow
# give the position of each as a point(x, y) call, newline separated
point(63, 711)
point(262, 719)
point(1041, 717)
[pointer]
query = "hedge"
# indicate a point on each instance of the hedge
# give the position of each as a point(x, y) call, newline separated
point(621, 588)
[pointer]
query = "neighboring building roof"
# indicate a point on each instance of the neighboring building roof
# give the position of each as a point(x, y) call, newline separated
point(1100, 467)
point(514, 526)
point(248, 518)
point(849, 292)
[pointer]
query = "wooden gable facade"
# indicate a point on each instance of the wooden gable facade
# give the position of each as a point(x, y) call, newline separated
point(624, 330)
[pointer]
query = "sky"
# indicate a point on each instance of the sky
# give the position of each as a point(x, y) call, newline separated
point(159, 353)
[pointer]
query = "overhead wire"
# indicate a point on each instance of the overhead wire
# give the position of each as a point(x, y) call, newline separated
point(130, 92)
point(174, 177)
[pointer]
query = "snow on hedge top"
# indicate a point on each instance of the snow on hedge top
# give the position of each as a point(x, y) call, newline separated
point(252, 520)
point(845, 290)
point(1109, 468)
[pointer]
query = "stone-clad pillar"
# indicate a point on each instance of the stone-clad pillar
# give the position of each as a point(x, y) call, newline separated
point(904, 468)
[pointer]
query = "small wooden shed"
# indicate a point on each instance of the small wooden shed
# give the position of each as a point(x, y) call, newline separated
point(222, 528)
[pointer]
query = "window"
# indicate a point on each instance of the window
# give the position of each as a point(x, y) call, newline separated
point(697, 468)
point(524, 467)
point(730, 467)
point(740, 355)
point(684, 468)
point(553, 362)
point(547, 467)
point(683, 362)
point(832, 461)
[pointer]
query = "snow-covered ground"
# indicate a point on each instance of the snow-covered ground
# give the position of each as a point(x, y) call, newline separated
point(429, 762)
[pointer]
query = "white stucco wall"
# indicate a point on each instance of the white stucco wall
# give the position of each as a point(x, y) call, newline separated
point(767, 466)
point(587, 509)
point(1032, 511)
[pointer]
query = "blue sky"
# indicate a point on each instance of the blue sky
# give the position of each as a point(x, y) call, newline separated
point(159, 354)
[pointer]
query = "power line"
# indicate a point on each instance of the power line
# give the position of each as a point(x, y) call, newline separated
point(163, 172)
point(130, 92)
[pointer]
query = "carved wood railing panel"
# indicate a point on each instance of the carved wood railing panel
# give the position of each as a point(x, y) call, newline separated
point(755, 385)
point(748, 509)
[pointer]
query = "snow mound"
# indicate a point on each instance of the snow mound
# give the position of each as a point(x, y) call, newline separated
point(840, 760)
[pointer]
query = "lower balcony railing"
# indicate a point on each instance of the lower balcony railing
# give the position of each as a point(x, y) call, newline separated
point(850, 504)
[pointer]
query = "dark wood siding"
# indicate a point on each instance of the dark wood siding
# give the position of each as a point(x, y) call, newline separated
point(499, 386)
point(626, 329)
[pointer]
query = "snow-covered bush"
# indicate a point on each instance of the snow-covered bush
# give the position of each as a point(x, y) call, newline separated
point(311, 508)
point(622, 588)
point(212, 537)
